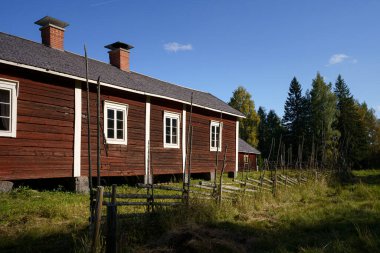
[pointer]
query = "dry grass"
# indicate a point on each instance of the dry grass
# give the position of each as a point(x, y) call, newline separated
point(319, 216)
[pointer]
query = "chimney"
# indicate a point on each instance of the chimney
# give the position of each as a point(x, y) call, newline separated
point(119, 55)
point(52, 32)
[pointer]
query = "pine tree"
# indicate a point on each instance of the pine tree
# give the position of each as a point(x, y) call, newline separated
point(367, 135)
point(351, 128)
point(242, 101)
point(270, 128)
point(294, 114)
point(275, 129)
point(263, 132)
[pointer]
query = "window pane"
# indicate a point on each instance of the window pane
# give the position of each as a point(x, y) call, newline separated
point(110, 114)
point(120, 134)
point(5, 96)
point(213, 136)
point(4, 124)
point(120, 125)
point(174, 122)
point(5, 110)
point(167, 130)
point(111, 123)
point(120, 115)
point(217, 136)
point(111, 133)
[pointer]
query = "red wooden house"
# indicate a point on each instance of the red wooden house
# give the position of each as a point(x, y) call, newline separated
point(43, 114)
point(247, 157)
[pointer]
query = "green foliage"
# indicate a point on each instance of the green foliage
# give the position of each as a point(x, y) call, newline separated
point(370, 133)
point(269, 128)
point(242, 101)
point(323, 115)
point(351, 125)
point(295, 114)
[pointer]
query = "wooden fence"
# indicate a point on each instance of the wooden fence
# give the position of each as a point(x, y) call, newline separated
point(171, 196)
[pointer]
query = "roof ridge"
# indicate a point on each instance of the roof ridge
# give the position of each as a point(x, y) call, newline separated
point(63, 51)
point(179, 85)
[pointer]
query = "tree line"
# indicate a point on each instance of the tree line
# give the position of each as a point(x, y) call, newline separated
point(326, 123)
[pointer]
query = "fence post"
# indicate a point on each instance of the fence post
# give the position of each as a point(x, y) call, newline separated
point(98, 218)
point(112, 223)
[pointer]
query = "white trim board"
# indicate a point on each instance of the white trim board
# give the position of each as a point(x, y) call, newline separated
point(110, 85)
point(147, 140)
point(184, 138)
point(77, 129)
point(237, 148)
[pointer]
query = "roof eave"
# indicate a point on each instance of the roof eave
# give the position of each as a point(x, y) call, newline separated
point(21, 65)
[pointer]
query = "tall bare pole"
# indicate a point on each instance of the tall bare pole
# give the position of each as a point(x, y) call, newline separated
point(89, 138)
point(190, 141)
point(98, 132)
point(217, 151)
point(187, 170)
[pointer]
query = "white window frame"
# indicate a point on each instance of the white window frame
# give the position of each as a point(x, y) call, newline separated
point(220, 125)
point(115, 106)
point(12, 86)
point(246, 158)
point(172, 115)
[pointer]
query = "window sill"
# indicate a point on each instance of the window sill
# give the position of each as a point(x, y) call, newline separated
point(171, 146)
point(8, 134)
point(115, 142)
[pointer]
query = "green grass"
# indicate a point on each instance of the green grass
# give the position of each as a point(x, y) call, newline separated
point(319, 216)
point(32, 221)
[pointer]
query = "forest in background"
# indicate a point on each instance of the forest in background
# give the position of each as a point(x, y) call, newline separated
point(327, 123)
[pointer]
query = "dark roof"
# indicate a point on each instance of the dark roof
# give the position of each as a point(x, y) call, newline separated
point(244, 147)
point(18, 50)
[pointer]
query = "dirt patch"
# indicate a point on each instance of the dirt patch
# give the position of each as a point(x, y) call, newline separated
point(194, 239)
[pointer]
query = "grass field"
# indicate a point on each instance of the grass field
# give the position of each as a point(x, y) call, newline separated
point(319, 216)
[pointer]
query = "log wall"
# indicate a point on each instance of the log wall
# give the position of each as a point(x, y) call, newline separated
point(43, 147)
point(44, 144)
point(251, 162)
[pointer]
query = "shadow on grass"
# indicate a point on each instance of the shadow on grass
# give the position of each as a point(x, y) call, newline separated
point(348, 231)
point(369, 179)
point(38, 242)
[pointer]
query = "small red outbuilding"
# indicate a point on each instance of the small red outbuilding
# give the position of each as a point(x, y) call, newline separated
point(247, 156)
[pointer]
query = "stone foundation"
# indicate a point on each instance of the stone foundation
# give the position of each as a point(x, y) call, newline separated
point(6, 186)
point(81, 185)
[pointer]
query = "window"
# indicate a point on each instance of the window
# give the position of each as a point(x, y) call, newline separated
point(216, 136)
point(246, 158)
point(8, 108)
point(171, 130)
point(115, 122)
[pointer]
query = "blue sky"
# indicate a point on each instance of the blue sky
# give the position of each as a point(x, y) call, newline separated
point(217, 45)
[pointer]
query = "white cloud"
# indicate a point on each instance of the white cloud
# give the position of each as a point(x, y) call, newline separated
point(339, 58)
point(175, 47)
point(103, 3)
